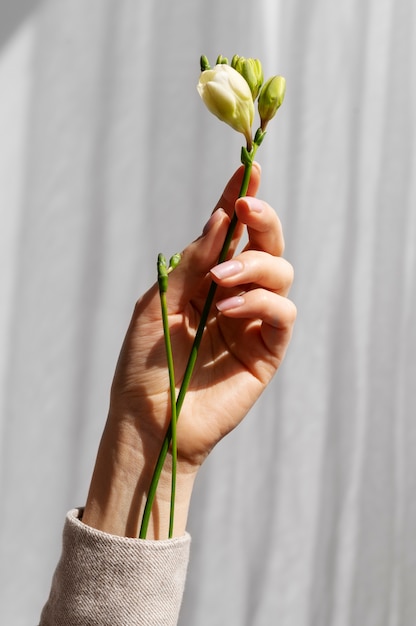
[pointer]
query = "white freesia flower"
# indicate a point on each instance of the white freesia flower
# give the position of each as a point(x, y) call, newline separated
point(227, 95)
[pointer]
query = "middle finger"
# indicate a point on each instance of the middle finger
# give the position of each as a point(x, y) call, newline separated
point(254, 267)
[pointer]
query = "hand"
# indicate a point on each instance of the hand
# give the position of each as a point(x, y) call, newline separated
point(245, 340)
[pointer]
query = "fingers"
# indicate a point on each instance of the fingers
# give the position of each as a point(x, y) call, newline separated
point(254, 287)
point(188, 277)
point(265, 233)
point(271, 308)
point(202, 254)
point(263, 226)
point(255, 283)
point(253, 267)
point(260, 263)
point(276, 316)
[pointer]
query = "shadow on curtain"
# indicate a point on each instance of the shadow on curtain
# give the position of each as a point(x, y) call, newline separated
point(12, 15)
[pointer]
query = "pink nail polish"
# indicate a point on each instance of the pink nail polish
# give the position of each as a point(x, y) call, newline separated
point(227, 269)
point(230, 303)
point(256, 206)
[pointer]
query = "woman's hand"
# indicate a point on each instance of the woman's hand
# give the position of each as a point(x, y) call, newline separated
point(247, 333)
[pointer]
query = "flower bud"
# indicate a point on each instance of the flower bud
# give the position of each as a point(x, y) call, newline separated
point(162, 273)
point(204, 63)
point(227, 95)
point(174, 261)
point(221, 60)
point(270, 98)
point(251, 70)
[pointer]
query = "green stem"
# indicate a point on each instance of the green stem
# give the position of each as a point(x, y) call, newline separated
point(163, 285)
point(247, 159)
point(172, 390)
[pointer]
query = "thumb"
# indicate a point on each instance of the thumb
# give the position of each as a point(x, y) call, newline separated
point(197, 259)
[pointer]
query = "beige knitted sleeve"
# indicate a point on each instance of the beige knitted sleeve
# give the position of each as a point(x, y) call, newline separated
point(106, 580)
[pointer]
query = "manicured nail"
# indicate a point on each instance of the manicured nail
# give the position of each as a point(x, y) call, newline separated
point(230, 303)
point(255, 205)
point(215, 217)
point(227, 269)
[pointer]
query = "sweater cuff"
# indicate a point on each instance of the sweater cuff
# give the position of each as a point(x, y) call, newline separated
point(103, 579)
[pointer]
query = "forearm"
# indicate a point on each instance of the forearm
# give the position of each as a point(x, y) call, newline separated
point(105, 574)
point(120, 482)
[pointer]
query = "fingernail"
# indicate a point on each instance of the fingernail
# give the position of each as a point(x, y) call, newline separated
point(230, 303)
point(215, 217)
point(255, 205)
point(227, 269)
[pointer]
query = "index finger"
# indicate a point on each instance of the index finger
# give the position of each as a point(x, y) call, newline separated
point(263, 226)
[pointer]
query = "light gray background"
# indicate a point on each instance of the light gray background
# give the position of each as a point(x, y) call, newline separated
point(306, 514)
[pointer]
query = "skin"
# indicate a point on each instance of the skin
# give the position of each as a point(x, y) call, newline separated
point(245, 341)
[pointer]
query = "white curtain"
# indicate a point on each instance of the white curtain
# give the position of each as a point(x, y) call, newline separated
point(306, 514)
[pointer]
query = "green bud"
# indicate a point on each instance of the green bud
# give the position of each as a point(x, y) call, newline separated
point(222, 60)
point(246, 156)
point(259, 136)
point(204, 63)
point(174, 261)
point(251, 70)
point(271, 97)
point(162, 273)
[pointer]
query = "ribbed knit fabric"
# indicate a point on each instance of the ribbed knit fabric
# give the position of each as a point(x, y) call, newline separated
point(102, 579)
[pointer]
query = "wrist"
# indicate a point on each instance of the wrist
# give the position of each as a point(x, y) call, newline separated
point(121, 477)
